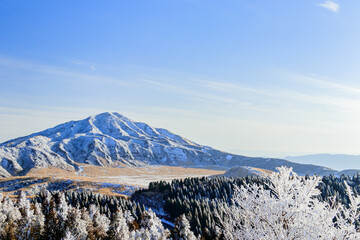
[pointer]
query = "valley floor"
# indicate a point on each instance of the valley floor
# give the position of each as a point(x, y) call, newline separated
point(106, 180)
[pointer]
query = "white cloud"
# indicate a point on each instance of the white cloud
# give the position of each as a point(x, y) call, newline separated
point(330, 5)
point(54, 70)
point(327, 83)
point(317, 113)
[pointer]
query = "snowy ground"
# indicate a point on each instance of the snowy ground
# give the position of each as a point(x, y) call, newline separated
point(145, 179)
point(81, 169)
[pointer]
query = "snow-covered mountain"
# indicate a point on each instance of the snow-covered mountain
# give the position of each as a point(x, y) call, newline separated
point(110, 139)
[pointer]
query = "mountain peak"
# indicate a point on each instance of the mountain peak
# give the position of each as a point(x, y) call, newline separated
point(111, 139)
point(109, 115)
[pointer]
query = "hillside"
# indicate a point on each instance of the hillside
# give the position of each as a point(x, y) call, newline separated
point(243, 171)
point(112, 140)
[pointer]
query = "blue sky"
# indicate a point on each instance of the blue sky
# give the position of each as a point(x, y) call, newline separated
point(262, 78)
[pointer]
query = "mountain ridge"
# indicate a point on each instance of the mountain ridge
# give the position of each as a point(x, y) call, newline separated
point(342, 161)
point(111, 139)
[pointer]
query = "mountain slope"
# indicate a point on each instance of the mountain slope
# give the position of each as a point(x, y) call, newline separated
point(241, 171)
point(110, 139)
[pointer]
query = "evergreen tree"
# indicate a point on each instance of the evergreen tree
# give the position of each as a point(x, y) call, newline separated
point(153, 225)
point(39, 220)
point(69, 236)
point(289, 210)
point(27, 221)
point(9, 216)
point(75, 225)
point(119, 229)
point(51, 223)
point(100, 222)
point(182, 230)
point(62, 209)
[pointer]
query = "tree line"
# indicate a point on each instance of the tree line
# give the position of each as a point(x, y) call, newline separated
point(218, 208)
point(83, 216)
point(201, 199)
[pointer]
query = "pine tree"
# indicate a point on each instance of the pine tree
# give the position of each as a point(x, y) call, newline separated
point(130, 221)
point(39, 220)
point(62, 209)
point(69, 236)
point(9, 216)
point(51, 223)
point(26, 223)
point(89, 224)
point(182, 230)
point(119, 229)
point(100, 222)
point(152, 223)
point(75, 224)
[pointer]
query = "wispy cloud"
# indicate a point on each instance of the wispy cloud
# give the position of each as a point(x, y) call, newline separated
point(200, 93)
point(330, 5)
point(200, 90)
point(61, 71)
point(327, 83)
point(269, 98)
point(248, 113)
point(229, 87)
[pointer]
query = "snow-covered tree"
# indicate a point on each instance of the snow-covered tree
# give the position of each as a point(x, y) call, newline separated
point(9, 216)
point(27, 221)
point(88, 222)
point(289, 209)
point(52, 227)
point(141, 234)
point(75, 225)
point(152, 226)
point(119, 229)
point(62, 211)
point(47, 201)
point(182, 229)
point(38, 221)
point(52, 217)
point(100, 222)
point(69, 236)
point(129, 220)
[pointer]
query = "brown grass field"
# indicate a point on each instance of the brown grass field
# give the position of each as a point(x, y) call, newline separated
point(136, 176)
point(93, 178)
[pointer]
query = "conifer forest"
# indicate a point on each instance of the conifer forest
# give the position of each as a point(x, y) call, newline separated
point(193, 208)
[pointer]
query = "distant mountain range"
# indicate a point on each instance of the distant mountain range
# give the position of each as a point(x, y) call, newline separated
point(111, 139)
point(337, 161)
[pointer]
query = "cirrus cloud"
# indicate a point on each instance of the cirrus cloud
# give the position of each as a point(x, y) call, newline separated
point(330, 5)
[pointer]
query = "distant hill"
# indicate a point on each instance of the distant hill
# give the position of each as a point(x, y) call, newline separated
point(243, 171)
point(335, 161)
point(113, 140)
